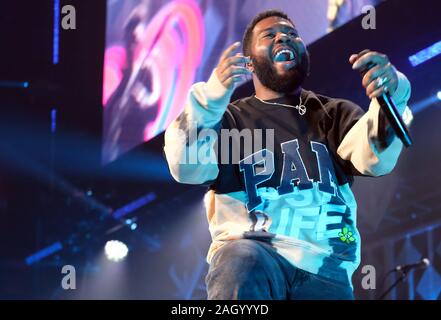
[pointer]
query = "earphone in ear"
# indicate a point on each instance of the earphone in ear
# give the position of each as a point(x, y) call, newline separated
point(249, 66)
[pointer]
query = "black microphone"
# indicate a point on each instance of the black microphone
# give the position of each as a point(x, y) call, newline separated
point(424, 263)
point(389, 109)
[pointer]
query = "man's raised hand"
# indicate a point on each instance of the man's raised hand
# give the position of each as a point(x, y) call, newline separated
point(231, 68)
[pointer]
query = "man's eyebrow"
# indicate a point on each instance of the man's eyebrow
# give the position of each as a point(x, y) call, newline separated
point(272, 28)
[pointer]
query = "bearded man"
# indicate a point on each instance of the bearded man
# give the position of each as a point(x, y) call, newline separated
point(283, 216)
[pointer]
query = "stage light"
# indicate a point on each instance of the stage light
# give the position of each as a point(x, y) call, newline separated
point(438, 95)
point(43, 253)
point(56, 33)
point(53, 120)
point(425, 54)
point(134, 205)
point(131, 223)
point(116, 250)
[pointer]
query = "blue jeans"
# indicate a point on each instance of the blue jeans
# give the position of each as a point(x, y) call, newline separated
point(252, 270)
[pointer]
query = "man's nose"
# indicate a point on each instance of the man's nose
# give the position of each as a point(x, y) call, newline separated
point(282, 37)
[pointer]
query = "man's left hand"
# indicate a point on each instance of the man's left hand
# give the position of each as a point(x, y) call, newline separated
point(381, 78)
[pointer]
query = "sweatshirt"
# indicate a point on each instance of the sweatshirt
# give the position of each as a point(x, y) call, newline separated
point(280, 176)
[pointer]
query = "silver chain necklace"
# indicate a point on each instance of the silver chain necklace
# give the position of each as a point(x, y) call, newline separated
point(301, 108)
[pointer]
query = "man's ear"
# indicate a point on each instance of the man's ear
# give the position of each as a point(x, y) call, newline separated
point(250, 66)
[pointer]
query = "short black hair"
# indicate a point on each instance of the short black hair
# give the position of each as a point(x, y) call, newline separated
point(247, 36)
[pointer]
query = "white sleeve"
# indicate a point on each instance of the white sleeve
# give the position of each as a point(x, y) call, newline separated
point(360, 144)
point(204, 109)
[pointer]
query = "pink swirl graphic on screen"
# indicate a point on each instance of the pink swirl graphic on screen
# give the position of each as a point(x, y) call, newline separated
point(169, 48)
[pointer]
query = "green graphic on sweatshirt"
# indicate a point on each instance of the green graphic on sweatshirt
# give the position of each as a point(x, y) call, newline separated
point(346, 235)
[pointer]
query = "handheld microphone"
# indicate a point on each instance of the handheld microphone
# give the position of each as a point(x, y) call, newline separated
point(389, 109)
point(424, 263)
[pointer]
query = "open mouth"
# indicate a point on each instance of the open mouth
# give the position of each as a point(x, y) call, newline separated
point(285, 57)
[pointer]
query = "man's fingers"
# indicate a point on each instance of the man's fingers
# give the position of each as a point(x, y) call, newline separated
point(233, 80)
point(377, 92)
point(231, 68)
point(229, 51)
point(233, 71)
point(386, 83)
point(352, 58)
point(373, 57)
point(235, 60)
point(373, 74)
point(376, 84)
point(238, 78)
point(380, 78)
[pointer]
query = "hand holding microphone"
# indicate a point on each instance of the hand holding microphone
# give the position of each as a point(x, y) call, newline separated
point(379, 75)
point(380, 80)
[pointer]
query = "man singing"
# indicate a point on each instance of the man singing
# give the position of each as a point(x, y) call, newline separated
point(282, 216)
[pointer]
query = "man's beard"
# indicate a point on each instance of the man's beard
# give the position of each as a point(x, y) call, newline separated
point(286, 83)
